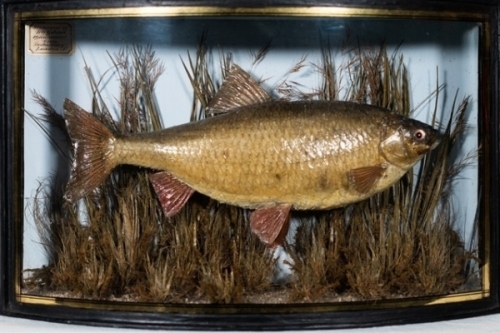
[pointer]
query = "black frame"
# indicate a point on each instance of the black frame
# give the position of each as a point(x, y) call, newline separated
point(248, 317)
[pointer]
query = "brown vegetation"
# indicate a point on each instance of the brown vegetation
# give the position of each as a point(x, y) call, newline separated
point(118, 244)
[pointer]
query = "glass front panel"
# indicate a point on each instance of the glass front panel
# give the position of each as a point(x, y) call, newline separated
point(378, 218)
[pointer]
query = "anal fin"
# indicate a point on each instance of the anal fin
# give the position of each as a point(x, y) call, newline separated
point(363, 179)
point(271, 224)
point(172, 193)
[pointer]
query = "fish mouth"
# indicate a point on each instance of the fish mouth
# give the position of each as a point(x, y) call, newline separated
point(436, 138)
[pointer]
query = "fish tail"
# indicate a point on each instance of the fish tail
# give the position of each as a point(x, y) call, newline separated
point(92, 148)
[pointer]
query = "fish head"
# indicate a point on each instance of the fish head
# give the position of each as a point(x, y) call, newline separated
point(405, 141)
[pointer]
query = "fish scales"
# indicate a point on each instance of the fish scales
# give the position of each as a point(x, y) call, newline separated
point(278, 152)
point(271, 156)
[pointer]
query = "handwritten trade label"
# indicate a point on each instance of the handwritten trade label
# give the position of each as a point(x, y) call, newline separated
point(50, 38)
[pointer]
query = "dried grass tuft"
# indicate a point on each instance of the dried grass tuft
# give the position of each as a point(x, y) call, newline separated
point(116, 243)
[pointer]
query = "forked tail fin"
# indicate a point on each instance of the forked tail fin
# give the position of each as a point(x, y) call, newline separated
point(93, 151)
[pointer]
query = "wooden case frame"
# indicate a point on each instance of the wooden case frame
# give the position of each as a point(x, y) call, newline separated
point(241, 317)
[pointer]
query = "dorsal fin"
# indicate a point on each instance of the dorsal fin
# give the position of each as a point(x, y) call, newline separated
point(239, 89)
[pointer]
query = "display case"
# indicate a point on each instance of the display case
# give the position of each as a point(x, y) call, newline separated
point(228, 165)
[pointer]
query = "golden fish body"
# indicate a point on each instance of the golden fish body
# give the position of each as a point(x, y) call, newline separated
point(297, 153)
point(271, 156)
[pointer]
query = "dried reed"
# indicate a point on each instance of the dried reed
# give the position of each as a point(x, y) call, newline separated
point(118, 244)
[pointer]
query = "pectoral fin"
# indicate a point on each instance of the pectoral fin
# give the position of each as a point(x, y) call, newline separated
point(239, 89)
point(270, 224)
point(363, 179)
point(172, 193)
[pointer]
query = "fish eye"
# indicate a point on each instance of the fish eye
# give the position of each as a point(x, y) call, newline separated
point(419, 134)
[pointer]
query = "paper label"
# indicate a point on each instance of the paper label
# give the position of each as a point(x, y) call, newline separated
point(50, 38)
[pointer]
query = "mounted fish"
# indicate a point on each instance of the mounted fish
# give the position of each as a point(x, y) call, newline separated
point(270, 156)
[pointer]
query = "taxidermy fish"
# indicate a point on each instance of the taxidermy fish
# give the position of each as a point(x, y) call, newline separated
point(270, 156)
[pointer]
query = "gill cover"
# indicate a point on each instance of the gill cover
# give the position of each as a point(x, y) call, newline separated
point(405, 141)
